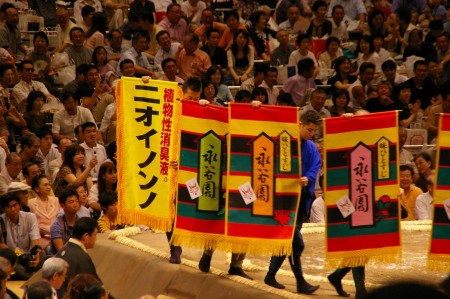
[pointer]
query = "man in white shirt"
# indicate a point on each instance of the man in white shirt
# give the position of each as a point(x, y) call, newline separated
point(135, 54)
point(168, 48)
point(47, 151)
point(92, 148)
point(317, 103)
point(338, 26)
point(269, 82)
point(65, 120)
point(424, 203)
point(11, 173)
point(22, 89)
point(169, 66)
point(63, 29)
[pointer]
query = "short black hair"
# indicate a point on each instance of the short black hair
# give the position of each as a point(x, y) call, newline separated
point(229, 14)
point(89, 67)
point(167, 60)
point(7, 198)
point(301, 37)
point(192, 83)
point(26, 166)
point(39, 290)
point(124, 62)
point(66, 194)
point(28, 141)
point(42, 35)
point(388, 65)
point(139, 34)
point(420, 62)
point(86, 125)
point(44, 132)
point(66, 96)
point(338, 6)
point(211, 30)
point(37, 180)
point(305, 65)
point(147, 16)
point(366, 65)
point(76, 29)
point(169, 8)
point(21, 65)
point(84, 225)
point(87, 10)
point(260, 68)
point(407, 167)
point(107, 199)
point(161, 33)
point(317, 4)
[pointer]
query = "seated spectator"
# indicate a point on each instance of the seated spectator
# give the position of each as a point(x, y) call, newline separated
point(443, 48)
point(269, 82)
point(78, 284)
point(22, 231)
point(191, 61)
point(217, 55)
point(108, 221)
point(47, 151)
point(10, 37)
point(11, 173)
point(285, 99)
point(338, 25)
point(260, 35)
point(426, 171)
point(56, 164)
point(280, 56)
point(40, 57)
point(343, 77)
point(72, 171)
point(317, 104)
point(72, 86)
point(378, 41)
point(21, 191)
point(132, 27)
point(40, 290)
point(147, 24)
point(65, 120)
point(115, 49)
point(293, 16)
point(319, 26)
point(73, 252)
point(117, 11)
point(87, 13)
point(83, 196)
point(304, 45)
point(424, 204)
point(433, 116)
point(77, 51)
point(358, 89)
point(377, 25)
point(92, 148)
point(135, 54)
point(298, 84)
point(366, 53)
point(209, 93)
point(95, 37)
point(35, 118)
point(340, 99)
point(223, 96)
point(417, 47)
point(30, 145)
point(390, 74)
point(207, 23)
point(228, 37)
point(260, 94)
point(332, 52)
point(142, 5)
point(410, 192)
point(258, 77)
point(54, 271)
point(167, 47)
point(79, 4)
point(193, 9)
point(107, 182)
point(243, 96)
point(63, 29)
point(10, 116)
point(169, 67)
point(106, 71)
point(62, 228)
point(408, 111)
point(240, 57)
point(405, 156)
point(384, 100)
point(44, 206)
point(174, 24)
point(29, 171)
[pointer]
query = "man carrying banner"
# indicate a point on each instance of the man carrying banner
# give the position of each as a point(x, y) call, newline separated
point(311, 162)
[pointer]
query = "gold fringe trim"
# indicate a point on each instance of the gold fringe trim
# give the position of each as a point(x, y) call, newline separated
point(256, 246)
point(438, 262)
point(133, 217)
point(197, 240)
point(388, 255)
point(252, 283)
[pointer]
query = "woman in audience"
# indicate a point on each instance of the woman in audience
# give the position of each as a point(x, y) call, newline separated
point(343, 78)
point(260, 94)
point(340, 99)
point(243, 96)
point(83, 196)
point(214, 74)
point(95, 290)
point(75, 289)
point(106, 71)
point(260, 34)
point(35, 118)
point(332, 52)
point(285, 99)
point(72, 172)
point(44, 206)
point(366, 53)
point(107, 182)
point(376, 24)
point(240, 57)
point(107, 222)
point(40, 57)
point(408, 112)
point(96, 35)
point(209, 93)
point(232, 20)
point(416, 46)
point(319, 26)
point(425, 168)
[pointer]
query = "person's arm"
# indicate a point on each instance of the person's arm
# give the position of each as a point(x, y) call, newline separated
point(414, 110)
point(142, 71)
point(251, 62)
point(230, 59)
point(358, 94)
point(61, 48)
point(17, 117)
point(83, 177)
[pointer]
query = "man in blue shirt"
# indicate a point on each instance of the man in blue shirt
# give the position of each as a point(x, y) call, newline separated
point(311, 163)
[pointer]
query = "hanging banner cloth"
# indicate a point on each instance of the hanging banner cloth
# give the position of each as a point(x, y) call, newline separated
point(200, 220)
point(147, 138)
point(361, 189)
point(262, 185)
point(439, 255)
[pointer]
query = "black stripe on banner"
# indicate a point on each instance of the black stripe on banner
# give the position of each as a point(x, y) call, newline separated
point(146, 87)
point(440, 216)
point(188, 140)
point(287, 202)
point(444, 157)
point(339, 158)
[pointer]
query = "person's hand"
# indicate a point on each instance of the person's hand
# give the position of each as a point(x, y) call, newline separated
point(13, 111)
point(146, 79)
point(415, 107)
point(348, 115)
point(243, 78)
point(123, 5)
point(303, 181)
point(35, 262)
point(174, 164)
point(203, 103)
point(360, 27)
point(440, 68)
point(93, 162)
point(256, 104)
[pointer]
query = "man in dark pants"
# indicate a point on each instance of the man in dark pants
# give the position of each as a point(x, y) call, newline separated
point(311, 162)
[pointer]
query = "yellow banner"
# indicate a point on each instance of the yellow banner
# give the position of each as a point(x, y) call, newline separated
point(147, 140)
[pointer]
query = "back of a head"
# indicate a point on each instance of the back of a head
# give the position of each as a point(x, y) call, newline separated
point(84, 225)
point(40, 290)
point(406, 290)
point(310, 117)
point(53, 265)
point(94, 290)
point(192, 83)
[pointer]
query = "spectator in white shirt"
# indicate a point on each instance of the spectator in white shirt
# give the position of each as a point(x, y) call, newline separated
point(11, 172)
point(135, 54)
point(55, 165)
point(92, 148)
point(47, 151)
point(168, 48)
point(338, 26)
point(304, 45)
point(424, 203)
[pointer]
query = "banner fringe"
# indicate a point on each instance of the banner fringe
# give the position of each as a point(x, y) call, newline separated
point(134, 217)
point(391, 255)
point(256, 246)
point(195, 239)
